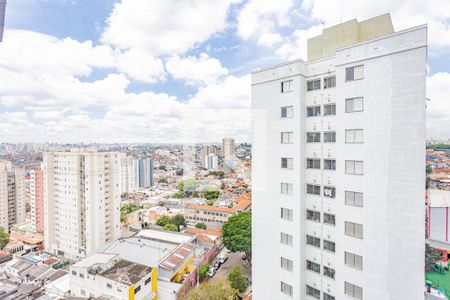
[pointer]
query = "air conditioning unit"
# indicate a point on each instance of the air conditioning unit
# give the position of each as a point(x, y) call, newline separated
point(315, 180)
point(315, 153)
point(328, 263)
point(314, 206)
point(329, 236)
point(315, 233)
point(329, 126)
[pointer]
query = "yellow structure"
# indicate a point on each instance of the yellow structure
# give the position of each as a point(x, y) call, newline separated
point(186, 268)
point(131, 292)
point(155, 283)
point(347, 34)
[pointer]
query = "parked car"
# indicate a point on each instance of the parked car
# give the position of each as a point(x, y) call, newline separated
point(223, 258)
point(216, 265)
point(244, 257)
point(211, 272)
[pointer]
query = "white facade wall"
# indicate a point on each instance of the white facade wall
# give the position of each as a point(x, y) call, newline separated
point(81, 201)
point(12, 198)
point(393, 151)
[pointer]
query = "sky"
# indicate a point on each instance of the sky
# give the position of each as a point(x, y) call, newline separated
point(157, 71)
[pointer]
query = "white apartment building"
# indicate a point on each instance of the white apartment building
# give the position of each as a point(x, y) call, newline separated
point(81, 201)
point(211, 162)
point(128, 173)
point(12, 197)
point(338, 167)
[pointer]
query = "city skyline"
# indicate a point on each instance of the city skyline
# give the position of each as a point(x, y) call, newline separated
point(79, 78)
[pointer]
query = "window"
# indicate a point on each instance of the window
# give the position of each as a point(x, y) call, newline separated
point(329, 82)
point(354, 230)
point(286, 239)
point(286, 288)
point(287, 111)
point(74, 273)
point(286, 264)
point(353, 290)
point(287, 137)
point(313, 266)
point(81, 275)
point(287, 163)
point(313, 189)
point(354, 260)
point(354, 136)
point(328, 297)
point(329, 272)
point(313, 241)
point(287, 188)
point(109, 285)
point(136, 290)
point(329, 191)
point(330, 246)
point(354, 167)
point(354, 73)
point(313, 111)
point(286, 214)
point(354, 198)
point(313, 85)
point(312, 163)
point(329, 137)
point(329, 219)
point(287, 86)
point(354, 104)
point(313, 137)
point(312, 292)
point(329, 164)
point(147, 281)
point(313, 215)
point(329, 110)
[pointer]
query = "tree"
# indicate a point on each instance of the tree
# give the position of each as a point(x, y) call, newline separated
point(170, 227)
point(178, 220)
point(432, 256)
point(237, 233)
point(202, 271)
point(163, 221)
point(237, 279)
point(4, 238)
point(428, 169)
point(181, 185)
point(210, 202)
point(209, 195)
point(220, 290)
point(200, 225)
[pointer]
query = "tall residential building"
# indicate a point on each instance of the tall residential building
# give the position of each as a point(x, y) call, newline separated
point(12, 198)
point(2, 18)
point(338, 167)
point(228, 151)
point(145, 172)
point(128, 173)
point(37, 199)
point(212, 162)
point(81, 201)
point(207, 150)
point(5, 165)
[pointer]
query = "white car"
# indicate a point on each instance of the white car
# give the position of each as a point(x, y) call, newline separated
point(211, 272)
point(223, 258)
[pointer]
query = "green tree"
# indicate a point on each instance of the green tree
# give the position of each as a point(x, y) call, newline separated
point(181, 185)
point(178, 220)
point(4, 238)
point(202, 271)
point(170, 227)
point(432, 256)
point(200, 225)
point(428, 169)
point(163, 221)
point(237, 233)
point(220, 290)
point(209, 195)
point(210, 202)
point(237, 279)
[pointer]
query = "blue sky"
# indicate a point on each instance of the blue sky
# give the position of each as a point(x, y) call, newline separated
point(163, 71)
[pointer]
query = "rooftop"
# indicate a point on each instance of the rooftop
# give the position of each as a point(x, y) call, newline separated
point(439, 198)
point(127, 272)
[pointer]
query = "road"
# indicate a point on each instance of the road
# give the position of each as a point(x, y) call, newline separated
point(233, 260)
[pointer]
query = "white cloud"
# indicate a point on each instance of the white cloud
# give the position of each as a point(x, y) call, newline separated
point(164, 27)
point(263, 18)
point(139, 65)
point(296, 45)
point(195, 70)
point(438, 109)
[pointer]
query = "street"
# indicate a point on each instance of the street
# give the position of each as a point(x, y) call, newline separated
point(233, 260)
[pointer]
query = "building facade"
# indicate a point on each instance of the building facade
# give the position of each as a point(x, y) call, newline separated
point(37, 199)
point(12, 197)
point(228, 151)
point(145, 171)
point(338, 168)
point(211, 162)
point(128, 173)
point(81, 201)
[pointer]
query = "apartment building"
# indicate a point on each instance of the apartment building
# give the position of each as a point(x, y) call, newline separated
point(81, 201)
point(211, 162)
point(12, 197)
point(145, 171)
point(338, 167)
point(37, 199)
point(228, 151)
point(128, 173)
